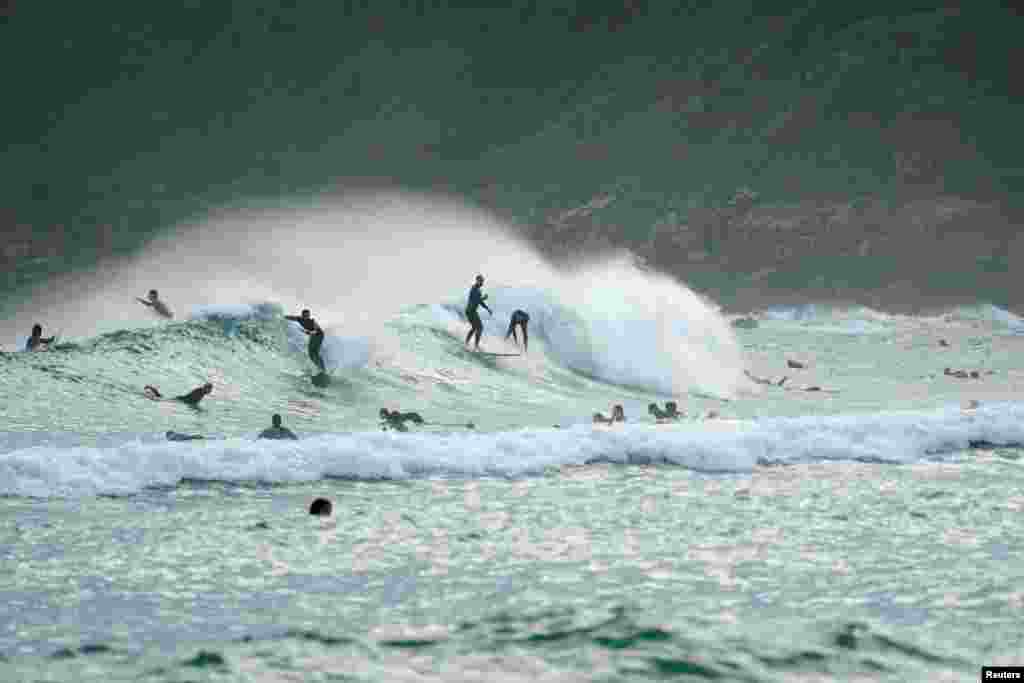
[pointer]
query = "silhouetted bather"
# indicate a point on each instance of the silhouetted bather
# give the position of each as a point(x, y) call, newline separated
point(276, 431)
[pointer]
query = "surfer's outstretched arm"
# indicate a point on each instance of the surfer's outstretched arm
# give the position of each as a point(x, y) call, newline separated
point(144, 302)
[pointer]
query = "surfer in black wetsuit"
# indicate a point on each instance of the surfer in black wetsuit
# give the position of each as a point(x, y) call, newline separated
point(154, 302)
point(316, 336)
point(192, 398)
point(37, 340)
point(519, 319)
point(277, 431)
point(476, 298)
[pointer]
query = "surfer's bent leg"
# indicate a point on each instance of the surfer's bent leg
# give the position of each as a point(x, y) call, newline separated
point(315, 342)
point(477, 326)
point(477, 330)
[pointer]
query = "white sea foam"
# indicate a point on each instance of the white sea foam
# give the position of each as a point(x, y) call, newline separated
point(623, 325)
point(900, 437)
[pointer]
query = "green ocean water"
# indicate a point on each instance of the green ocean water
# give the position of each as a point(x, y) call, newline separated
point(868, 533)
point(852, 518)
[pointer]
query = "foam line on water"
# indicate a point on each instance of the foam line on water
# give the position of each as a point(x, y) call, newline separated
point(900, 437)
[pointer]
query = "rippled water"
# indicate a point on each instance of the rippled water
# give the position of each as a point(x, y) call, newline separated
point(853, 535)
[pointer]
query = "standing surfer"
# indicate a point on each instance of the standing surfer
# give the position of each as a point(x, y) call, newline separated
point(519, 319)
point(37, 340)
point(476, 298)
point(156, 304)
point(316, 336)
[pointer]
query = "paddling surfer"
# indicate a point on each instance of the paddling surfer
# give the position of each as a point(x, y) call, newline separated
point(192, 398)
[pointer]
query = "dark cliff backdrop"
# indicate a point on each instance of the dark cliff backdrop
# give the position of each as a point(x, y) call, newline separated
point(759, 151)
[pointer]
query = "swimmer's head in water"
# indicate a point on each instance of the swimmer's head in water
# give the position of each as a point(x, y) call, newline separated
point(479, 279)
point(207, 387)
point(670, 406)
point(37, 330)
point(276, 420)
point(321, 507)
point(618, 413)
point(384, 413)
point(305, 313)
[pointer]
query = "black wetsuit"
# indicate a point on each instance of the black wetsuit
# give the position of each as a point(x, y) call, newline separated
point(519, 319)
point(316, 338)
point(33, 343)
point(193, 397)
point(476, 298)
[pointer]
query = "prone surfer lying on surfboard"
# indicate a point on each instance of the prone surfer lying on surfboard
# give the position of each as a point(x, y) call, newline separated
point(178, 436)
point(192, 398)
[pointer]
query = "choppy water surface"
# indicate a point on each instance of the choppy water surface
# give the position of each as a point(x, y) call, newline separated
point(866, 531)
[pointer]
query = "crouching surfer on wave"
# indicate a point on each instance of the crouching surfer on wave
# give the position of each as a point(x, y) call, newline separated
point(316, 336)
point(519, 319)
